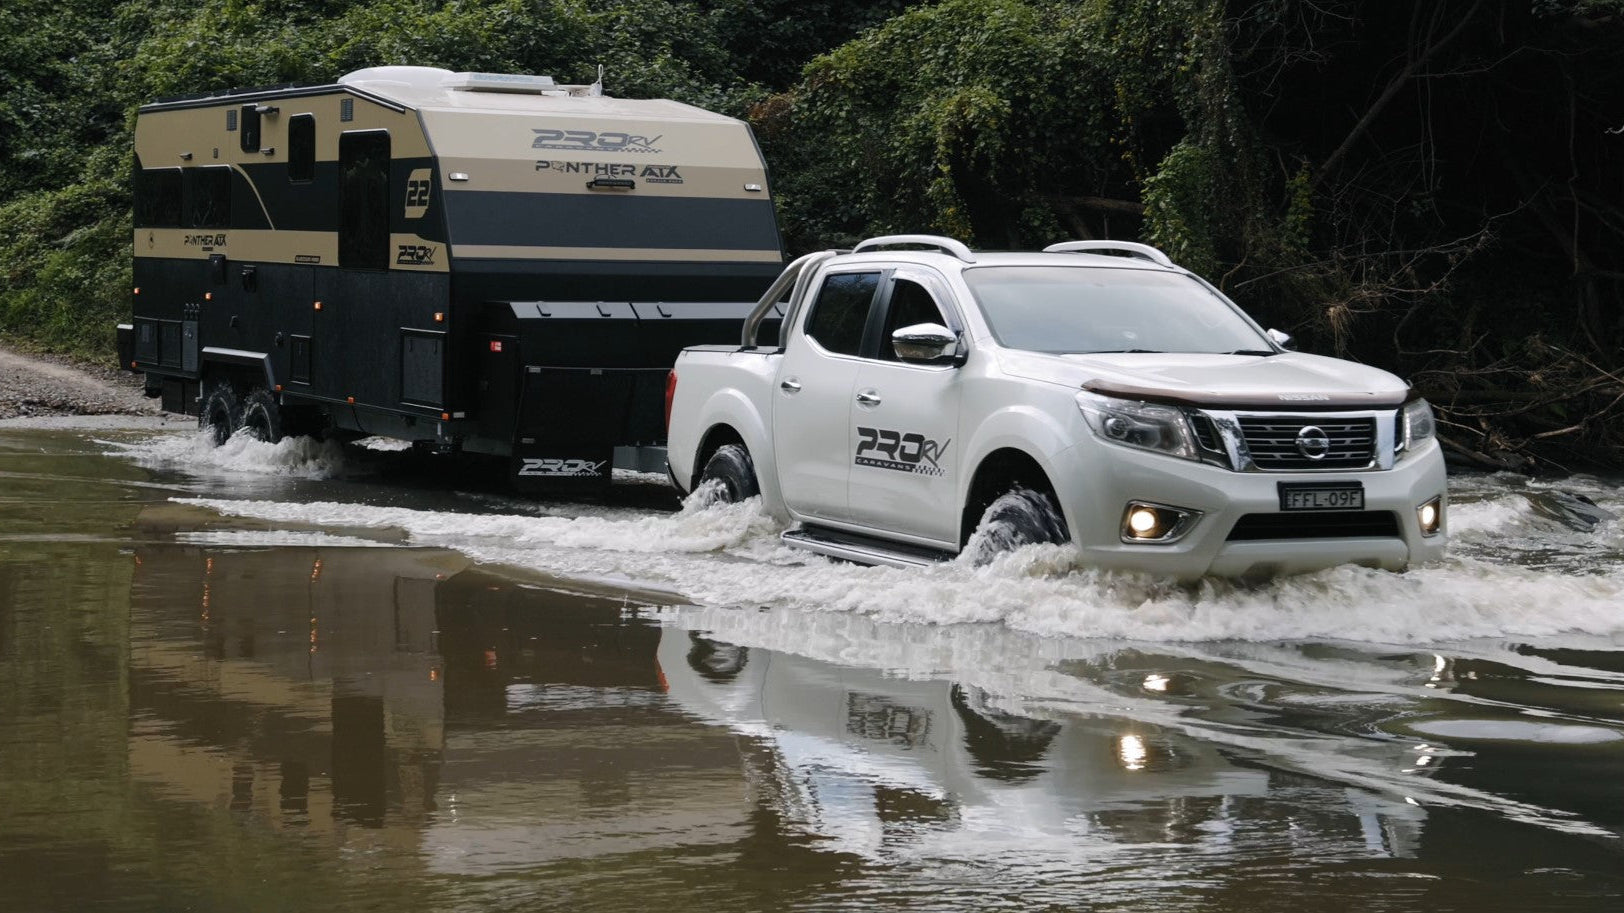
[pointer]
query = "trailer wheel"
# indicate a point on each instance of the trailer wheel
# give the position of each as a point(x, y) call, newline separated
point(219, 414)
point(1020, 516)
point(262, 416)
point(732, 467)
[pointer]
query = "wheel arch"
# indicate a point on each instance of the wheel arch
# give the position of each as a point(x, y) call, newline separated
point(999, 471)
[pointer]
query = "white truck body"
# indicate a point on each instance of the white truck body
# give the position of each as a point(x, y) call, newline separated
point(1267, 461)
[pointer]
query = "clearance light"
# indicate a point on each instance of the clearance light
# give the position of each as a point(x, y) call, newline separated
point(318, 305)
point(1156, 524)
point(1430, 516)
point(439, 317)
point(138, 290)
point(208, 296)
point(278, 388)
point(350, 400)
point(445, 416)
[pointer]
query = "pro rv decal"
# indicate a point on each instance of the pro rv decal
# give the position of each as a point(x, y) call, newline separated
point(414, 255)
point(578, 140)
point(556, 468)
point(908, 451)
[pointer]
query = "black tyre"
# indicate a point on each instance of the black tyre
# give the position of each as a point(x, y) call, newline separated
point(1020, 516)
point(220, 414)
point(732, 468)
point(261, 416)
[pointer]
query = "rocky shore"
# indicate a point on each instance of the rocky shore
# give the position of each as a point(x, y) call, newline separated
point(35, 385)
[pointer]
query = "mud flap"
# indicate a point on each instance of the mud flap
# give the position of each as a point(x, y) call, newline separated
point(544, 466)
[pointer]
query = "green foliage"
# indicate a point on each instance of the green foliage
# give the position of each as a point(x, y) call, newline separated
point(75, 71)
point(60, 286)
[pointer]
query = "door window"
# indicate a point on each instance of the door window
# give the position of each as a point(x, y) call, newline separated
point(910, 304)
point(301, 147)
point(363, 198)
point(841, 311)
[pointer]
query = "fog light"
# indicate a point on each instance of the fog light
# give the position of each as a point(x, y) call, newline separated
point(1155, 523)
point(1430, 516)
point(1143, 522)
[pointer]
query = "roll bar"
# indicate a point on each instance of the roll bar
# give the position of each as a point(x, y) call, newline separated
point(797, 270)
point(1132, 249)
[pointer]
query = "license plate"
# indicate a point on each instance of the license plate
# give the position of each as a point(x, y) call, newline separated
point(1322, 496)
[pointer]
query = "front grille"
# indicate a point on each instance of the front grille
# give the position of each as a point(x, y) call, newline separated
point(1273, 442)
point(1349, 524)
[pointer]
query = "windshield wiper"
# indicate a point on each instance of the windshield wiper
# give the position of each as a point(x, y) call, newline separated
point(1124, 352)
point(1263, 352)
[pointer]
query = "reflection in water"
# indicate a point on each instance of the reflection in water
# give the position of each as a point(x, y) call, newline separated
point(192, 719)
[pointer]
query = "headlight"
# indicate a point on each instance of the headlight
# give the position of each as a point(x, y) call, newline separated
point(1147, 426)
point(1415, 425)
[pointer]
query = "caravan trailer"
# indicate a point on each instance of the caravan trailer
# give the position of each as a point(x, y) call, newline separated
point(472, 262)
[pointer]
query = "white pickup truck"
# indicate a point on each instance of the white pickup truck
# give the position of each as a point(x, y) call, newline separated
point(1093, 393)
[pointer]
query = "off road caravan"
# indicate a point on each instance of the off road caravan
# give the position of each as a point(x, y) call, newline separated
point(481, 262)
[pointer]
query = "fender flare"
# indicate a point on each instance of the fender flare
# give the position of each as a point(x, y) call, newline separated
point(240, 358)
point(1030, 429)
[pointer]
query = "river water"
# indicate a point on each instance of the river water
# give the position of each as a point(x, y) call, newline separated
point(297, 677)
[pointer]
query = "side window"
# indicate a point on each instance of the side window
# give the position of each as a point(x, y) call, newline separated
point(301, 147)
point(157, 198)
point(910, 304)
point(208, 203)
point(841, 310)
point(249, 135)
point(363, 200)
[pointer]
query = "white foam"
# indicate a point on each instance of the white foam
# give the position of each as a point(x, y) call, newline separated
point(298, 457)
point(695, 554)
point(269, 538)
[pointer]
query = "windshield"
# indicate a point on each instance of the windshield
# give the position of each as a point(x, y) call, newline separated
point(1083, 309)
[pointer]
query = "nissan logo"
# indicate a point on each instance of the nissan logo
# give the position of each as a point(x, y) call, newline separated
point(1313, 442)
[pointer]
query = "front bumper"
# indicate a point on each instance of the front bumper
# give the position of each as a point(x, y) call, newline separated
point(1095, 481)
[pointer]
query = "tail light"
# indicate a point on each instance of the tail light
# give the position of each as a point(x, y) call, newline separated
point(670, 394)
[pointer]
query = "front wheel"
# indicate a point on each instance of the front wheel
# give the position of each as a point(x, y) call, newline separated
point(262, 416)
point(1020, 516)
point(733, 471)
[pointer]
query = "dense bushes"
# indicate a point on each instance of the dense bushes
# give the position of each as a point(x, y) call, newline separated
point(1431, 186)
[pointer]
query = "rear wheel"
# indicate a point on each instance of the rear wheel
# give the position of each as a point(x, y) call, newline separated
point(220, 413)
point(1020, 516)
point(261, 416)
point(733, 471)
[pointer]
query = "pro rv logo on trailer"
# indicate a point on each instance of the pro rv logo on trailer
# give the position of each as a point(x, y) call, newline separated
point(555, 468)
point(414, 255)
point(883, 448)
point(589, 140)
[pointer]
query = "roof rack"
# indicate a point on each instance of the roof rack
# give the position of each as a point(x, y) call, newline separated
point(1132, 249)
point(945, 245)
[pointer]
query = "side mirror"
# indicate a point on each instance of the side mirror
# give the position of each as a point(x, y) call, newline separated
point(1283, 340)
point(925, 343)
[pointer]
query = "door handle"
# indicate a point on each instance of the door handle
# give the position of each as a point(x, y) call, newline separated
point(790, 386)
point(868, 398)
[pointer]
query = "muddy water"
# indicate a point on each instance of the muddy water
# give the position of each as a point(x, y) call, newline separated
point(299, 678)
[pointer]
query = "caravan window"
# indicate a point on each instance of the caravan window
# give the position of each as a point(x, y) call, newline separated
point(250, 129)
point(363, 200)
point(301, 148)
point(208, 203)
point(157, 198)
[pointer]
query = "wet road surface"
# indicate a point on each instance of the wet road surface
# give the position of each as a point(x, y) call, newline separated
point(298, 678)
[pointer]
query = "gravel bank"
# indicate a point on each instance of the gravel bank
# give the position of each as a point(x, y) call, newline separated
point(35, 385)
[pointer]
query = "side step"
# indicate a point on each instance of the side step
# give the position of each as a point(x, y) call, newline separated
point(862, 549)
